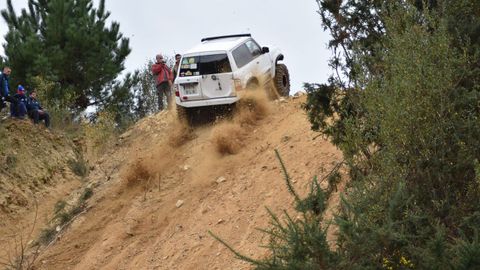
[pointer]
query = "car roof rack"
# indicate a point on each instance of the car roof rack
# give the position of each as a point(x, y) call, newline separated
point(228, 36)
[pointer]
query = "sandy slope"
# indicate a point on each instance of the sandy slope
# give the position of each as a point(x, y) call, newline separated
point(34, 175)
point(133, 221)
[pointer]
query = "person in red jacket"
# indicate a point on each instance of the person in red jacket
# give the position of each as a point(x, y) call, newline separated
point(164, 81)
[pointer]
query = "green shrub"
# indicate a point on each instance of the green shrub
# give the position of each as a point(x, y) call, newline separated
point(410, 143)
point(59, 206)
point(11, 161)
point(86, 194)
point(47, 235)
point(79, 166)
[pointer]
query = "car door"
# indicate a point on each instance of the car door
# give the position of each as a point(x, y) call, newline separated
point(262, 62)
point(244, 62)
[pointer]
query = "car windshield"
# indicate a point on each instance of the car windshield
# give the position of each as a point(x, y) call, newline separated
point(204, 65)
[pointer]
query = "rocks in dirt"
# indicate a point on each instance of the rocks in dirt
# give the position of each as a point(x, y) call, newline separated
point(126, 135)
point(92, 184)
point(285, 138)
point(179, 203)
point(298, 94)
point(130, 226)
point(204, 209)
point(221, 179)
point(186, 167)
point(220, 221)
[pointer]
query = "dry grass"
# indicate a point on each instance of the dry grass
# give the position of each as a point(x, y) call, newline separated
point(24, 255)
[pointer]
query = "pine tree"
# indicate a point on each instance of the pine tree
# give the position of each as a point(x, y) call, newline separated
point(69, 43)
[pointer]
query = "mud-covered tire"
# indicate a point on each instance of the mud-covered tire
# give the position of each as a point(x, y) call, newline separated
point(282, 80)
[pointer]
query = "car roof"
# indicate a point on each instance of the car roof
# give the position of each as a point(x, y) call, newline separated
point(220, 44)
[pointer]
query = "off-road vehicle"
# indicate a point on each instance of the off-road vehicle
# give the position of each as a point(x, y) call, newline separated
point(218, 69)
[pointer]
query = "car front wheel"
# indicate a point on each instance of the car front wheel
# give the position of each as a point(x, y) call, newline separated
point(282, 80)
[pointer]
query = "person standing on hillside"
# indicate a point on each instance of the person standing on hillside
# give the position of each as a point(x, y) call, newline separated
point(164, 80)
point(176, 67)
point(36, 111)
point(5, 89)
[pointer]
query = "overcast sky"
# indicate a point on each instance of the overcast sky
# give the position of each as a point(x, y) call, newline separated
point(168, 27)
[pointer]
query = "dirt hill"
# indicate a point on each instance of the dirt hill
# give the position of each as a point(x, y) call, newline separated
point(158, 192)
point(36, 170)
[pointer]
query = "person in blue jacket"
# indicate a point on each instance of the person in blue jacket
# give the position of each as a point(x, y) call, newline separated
point(19, 109)
point(5, 88)
point(36, 111)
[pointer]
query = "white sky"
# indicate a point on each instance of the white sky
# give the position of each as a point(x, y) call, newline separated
point(160, 26)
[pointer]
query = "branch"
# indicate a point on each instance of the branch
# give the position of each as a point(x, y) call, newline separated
point(287, 177)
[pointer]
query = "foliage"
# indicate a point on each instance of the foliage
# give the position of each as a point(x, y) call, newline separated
point(63, 214)
point(60, 115)
point(86, 194)
point(68, 43)
point(100, 133)
point(358, 28)
point(47, 235)
point(79, 166)
point(359, 45)
point(133, 98)
point(11, 161)
point(146, 92)
point(418, 185)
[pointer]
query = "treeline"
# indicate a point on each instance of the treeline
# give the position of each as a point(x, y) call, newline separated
point(403, 106)
point(68, 51)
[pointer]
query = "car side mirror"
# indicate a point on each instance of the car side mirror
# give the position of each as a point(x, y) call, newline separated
point(265, 50)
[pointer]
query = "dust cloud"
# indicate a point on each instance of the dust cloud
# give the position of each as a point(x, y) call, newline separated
point(228, 136)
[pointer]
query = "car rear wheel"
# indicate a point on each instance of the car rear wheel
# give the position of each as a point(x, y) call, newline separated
point(282, 80)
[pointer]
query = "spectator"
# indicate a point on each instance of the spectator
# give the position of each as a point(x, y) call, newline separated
point(19, 109)
point(36, 111)
point(164, 79)
point(176, 66)
point(5, 88)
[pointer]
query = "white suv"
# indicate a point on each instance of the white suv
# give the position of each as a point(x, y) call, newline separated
point(216, 70)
